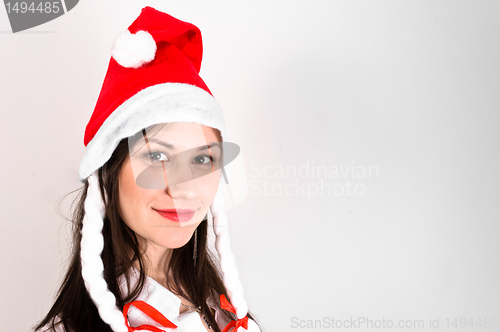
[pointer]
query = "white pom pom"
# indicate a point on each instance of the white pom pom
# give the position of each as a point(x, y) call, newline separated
point(134, 50)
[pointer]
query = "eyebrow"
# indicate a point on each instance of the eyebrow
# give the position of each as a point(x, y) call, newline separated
point(170, 146)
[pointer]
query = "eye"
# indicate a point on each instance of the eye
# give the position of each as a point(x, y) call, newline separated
point(157, 156)
point(203, 160)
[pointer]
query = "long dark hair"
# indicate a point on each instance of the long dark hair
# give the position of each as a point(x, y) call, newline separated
point(74, 308)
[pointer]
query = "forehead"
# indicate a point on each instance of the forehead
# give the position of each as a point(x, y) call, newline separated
point(184, 131)
point(179, 135)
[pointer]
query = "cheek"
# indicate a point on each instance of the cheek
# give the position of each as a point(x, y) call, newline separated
point(129, 196)
point(125, 208)
point(210, 186)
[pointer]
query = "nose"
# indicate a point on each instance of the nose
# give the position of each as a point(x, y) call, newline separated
point(181, 183)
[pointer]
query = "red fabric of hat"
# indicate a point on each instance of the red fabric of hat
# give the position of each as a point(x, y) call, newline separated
point(177, 59)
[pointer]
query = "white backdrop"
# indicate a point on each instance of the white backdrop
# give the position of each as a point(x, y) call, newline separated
point(370, 134)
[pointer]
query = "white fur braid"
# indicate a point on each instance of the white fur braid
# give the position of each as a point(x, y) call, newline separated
point(227, 262)
point(92, 266)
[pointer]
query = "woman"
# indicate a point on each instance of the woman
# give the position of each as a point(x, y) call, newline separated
point(153, 176)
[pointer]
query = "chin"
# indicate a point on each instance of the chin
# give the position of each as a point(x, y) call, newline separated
point(175, 238)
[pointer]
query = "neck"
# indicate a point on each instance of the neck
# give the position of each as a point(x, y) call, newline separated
point(156, 262)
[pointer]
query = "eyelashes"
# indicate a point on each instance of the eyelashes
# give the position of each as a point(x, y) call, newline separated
point(157, 157)
point(205, 160)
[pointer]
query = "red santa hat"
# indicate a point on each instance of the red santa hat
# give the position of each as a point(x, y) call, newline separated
point(153, 77)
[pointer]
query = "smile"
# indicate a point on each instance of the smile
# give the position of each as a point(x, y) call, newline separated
point(180, 215)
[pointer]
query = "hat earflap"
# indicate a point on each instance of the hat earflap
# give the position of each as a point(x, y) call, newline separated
point(227, 261)
point(92, 266)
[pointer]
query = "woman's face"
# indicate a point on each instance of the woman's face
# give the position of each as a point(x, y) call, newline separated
point(168, 182)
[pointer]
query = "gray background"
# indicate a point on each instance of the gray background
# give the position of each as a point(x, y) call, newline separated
point(409, 88)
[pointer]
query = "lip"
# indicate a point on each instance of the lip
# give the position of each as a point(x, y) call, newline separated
point(179, 215)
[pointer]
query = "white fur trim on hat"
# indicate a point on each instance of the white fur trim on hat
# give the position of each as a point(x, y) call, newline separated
point(134, 50)
point(161, 103)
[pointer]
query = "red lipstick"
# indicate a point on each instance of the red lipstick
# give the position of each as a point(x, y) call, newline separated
point(177, 214)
